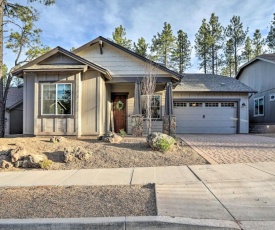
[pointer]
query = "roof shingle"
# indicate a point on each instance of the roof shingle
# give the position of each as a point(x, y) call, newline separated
point(15, 95)
point(210, 83)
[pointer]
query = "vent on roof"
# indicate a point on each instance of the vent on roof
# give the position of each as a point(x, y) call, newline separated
point(222, 84)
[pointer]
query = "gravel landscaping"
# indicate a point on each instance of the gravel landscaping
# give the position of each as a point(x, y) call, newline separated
point(131, 152)
point(75, 202)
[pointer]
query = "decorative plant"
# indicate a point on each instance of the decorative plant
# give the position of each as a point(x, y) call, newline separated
point(45, 164)
point(122, 132)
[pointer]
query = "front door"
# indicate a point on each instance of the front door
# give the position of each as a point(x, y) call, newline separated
point(119, 109)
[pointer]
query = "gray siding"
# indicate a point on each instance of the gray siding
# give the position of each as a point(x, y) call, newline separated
point(260, 76)
point(269, 108)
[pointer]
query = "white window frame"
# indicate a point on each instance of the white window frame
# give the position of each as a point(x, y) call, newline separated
point(160, 106)
point(257, 99)
point(56, 93)
point(272, 95)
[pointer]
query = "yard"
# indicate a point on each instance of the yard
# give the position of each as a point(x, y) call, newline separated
point(131, 152)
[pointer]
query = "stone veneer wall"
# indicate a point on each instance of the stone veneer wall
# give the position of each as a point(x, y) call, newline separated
point(261, 128)
point(169, 125)
point(137, 125)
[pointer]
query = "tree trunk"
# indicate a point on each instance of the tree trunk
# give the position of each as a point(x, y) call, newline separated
point(235, 58)
point(2, 101)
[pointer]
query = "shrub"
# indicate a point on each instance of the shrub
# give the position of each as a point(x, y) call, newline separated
point(45, 164)
point(165, 144)
point(122, 132)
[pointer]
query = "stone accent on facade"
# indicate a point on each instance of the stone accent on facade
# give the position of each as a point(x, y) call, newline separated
point(169, 125)
point(137, 125)
point(261, 128)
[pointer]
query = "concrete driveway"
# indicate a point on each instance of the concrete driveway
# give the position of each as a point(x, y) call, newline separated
point(229, 149)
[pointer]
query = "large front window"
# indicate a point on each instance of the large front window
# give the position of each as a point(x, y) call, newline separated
point(259, 106)
point(155, 106)
point(56, 99)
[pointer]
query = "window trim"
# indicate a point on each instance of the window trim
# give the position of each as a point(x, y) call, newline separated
point(56, 88)
point(160, 105)
point(257, 99)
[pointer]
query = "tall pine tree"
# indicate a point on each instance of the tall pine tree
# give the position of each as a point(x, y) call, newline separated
point(270, 39)
point(229, 59)
point(181, 55)
point(247, 53)
point(236, 33)
point(202, 46)
point(141, 47)
point(215, 41)
point(119, 37)
point(258, 43)
point(163, 44)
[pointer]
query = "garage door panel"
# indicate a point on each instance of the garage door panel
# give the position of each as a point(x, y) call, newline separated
point(206, 119)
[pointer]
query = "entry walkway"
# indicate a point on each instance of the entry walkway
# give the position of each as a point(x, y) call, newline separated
point(230, 149)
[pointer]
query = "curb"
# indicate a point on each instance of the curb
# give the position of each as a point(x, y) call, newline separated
point(119, 223)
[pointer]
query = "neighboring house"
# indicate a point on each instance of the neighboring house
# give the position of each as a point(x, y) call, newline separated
point(206, 103)
point(14, 111)
point(259, 75)
point(90, 90)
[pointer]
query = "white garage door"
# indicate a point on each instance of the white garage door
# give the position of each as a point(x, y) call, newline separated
point(206, 117)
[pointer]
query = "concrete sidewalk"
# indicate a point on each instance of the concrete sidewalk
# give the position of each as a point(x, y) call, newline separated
point(235, 193)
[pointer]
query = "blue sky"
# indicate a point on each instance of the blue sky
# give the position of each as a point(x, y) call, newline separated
point(71, 23)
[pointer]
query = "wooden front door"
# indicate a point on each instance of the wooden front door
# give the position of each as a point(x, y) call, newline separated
point(119, 110)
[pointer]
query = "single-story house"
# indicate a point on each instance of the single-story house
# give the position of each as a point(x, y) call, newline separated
point(93, 88)
point(14, 111)
point(259, 75)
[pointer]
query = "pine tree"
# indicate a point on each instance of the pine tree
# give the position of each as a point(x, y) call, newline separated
point(258, 43)
point(270, 39)
point(202, 46)
point(247, 53)
point(23, 36)
point(119, 37)
point(141, 47)
point(215, 41)
point(229, 59)
point(235, 32)
point(181, 55)
point(163, 44)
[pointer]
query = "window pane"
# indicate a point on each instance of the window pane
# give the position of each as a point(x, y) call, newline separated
point(261, 106)
point(155, 106)
point(256, 107)
point(64, 93)
point(48, 99)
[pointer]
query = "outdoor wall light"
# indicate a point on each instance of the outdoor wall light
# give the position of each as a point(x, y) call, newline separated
point(243, 104)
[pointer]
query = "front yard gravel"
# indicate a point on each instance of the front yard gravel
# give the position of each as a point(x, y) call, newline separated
point(77, 201)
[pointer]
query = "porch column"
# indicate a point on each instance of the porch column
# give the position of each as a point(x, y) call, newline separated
point(78, 101)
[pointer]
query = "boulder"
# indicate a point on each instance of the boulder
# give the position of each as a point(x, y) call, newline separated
point(111, 138)
point(70, 154)
point(30, 161)
point(5, 164)
point(17, 153)
point(55, 139)
point(160, 141)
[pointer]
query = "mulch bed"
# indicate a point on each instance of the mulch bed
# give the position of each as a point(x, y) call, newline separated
point(77, 201)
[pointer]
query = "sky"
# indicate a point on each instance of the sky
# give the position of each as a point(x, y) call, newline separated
point(72, 23)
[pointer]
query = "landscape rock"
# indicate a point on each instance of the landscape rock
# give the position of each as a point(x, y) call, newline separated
point(17, 153)
point(156, 140)
point(5, 164)
point(55, 139)
point(30, 161)
point(111, 138)
point(70, 154)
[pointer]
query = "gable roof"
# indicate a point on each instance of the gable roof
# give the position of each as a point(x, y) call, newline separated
point(59, 49)
point(176, 75)
point(270, 58)
point(211, 83)
point(15, 97)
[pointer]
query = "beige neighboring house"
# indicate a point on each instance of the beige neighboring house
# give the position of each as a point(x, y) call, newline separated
point(14, 111)
point(79, 92)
